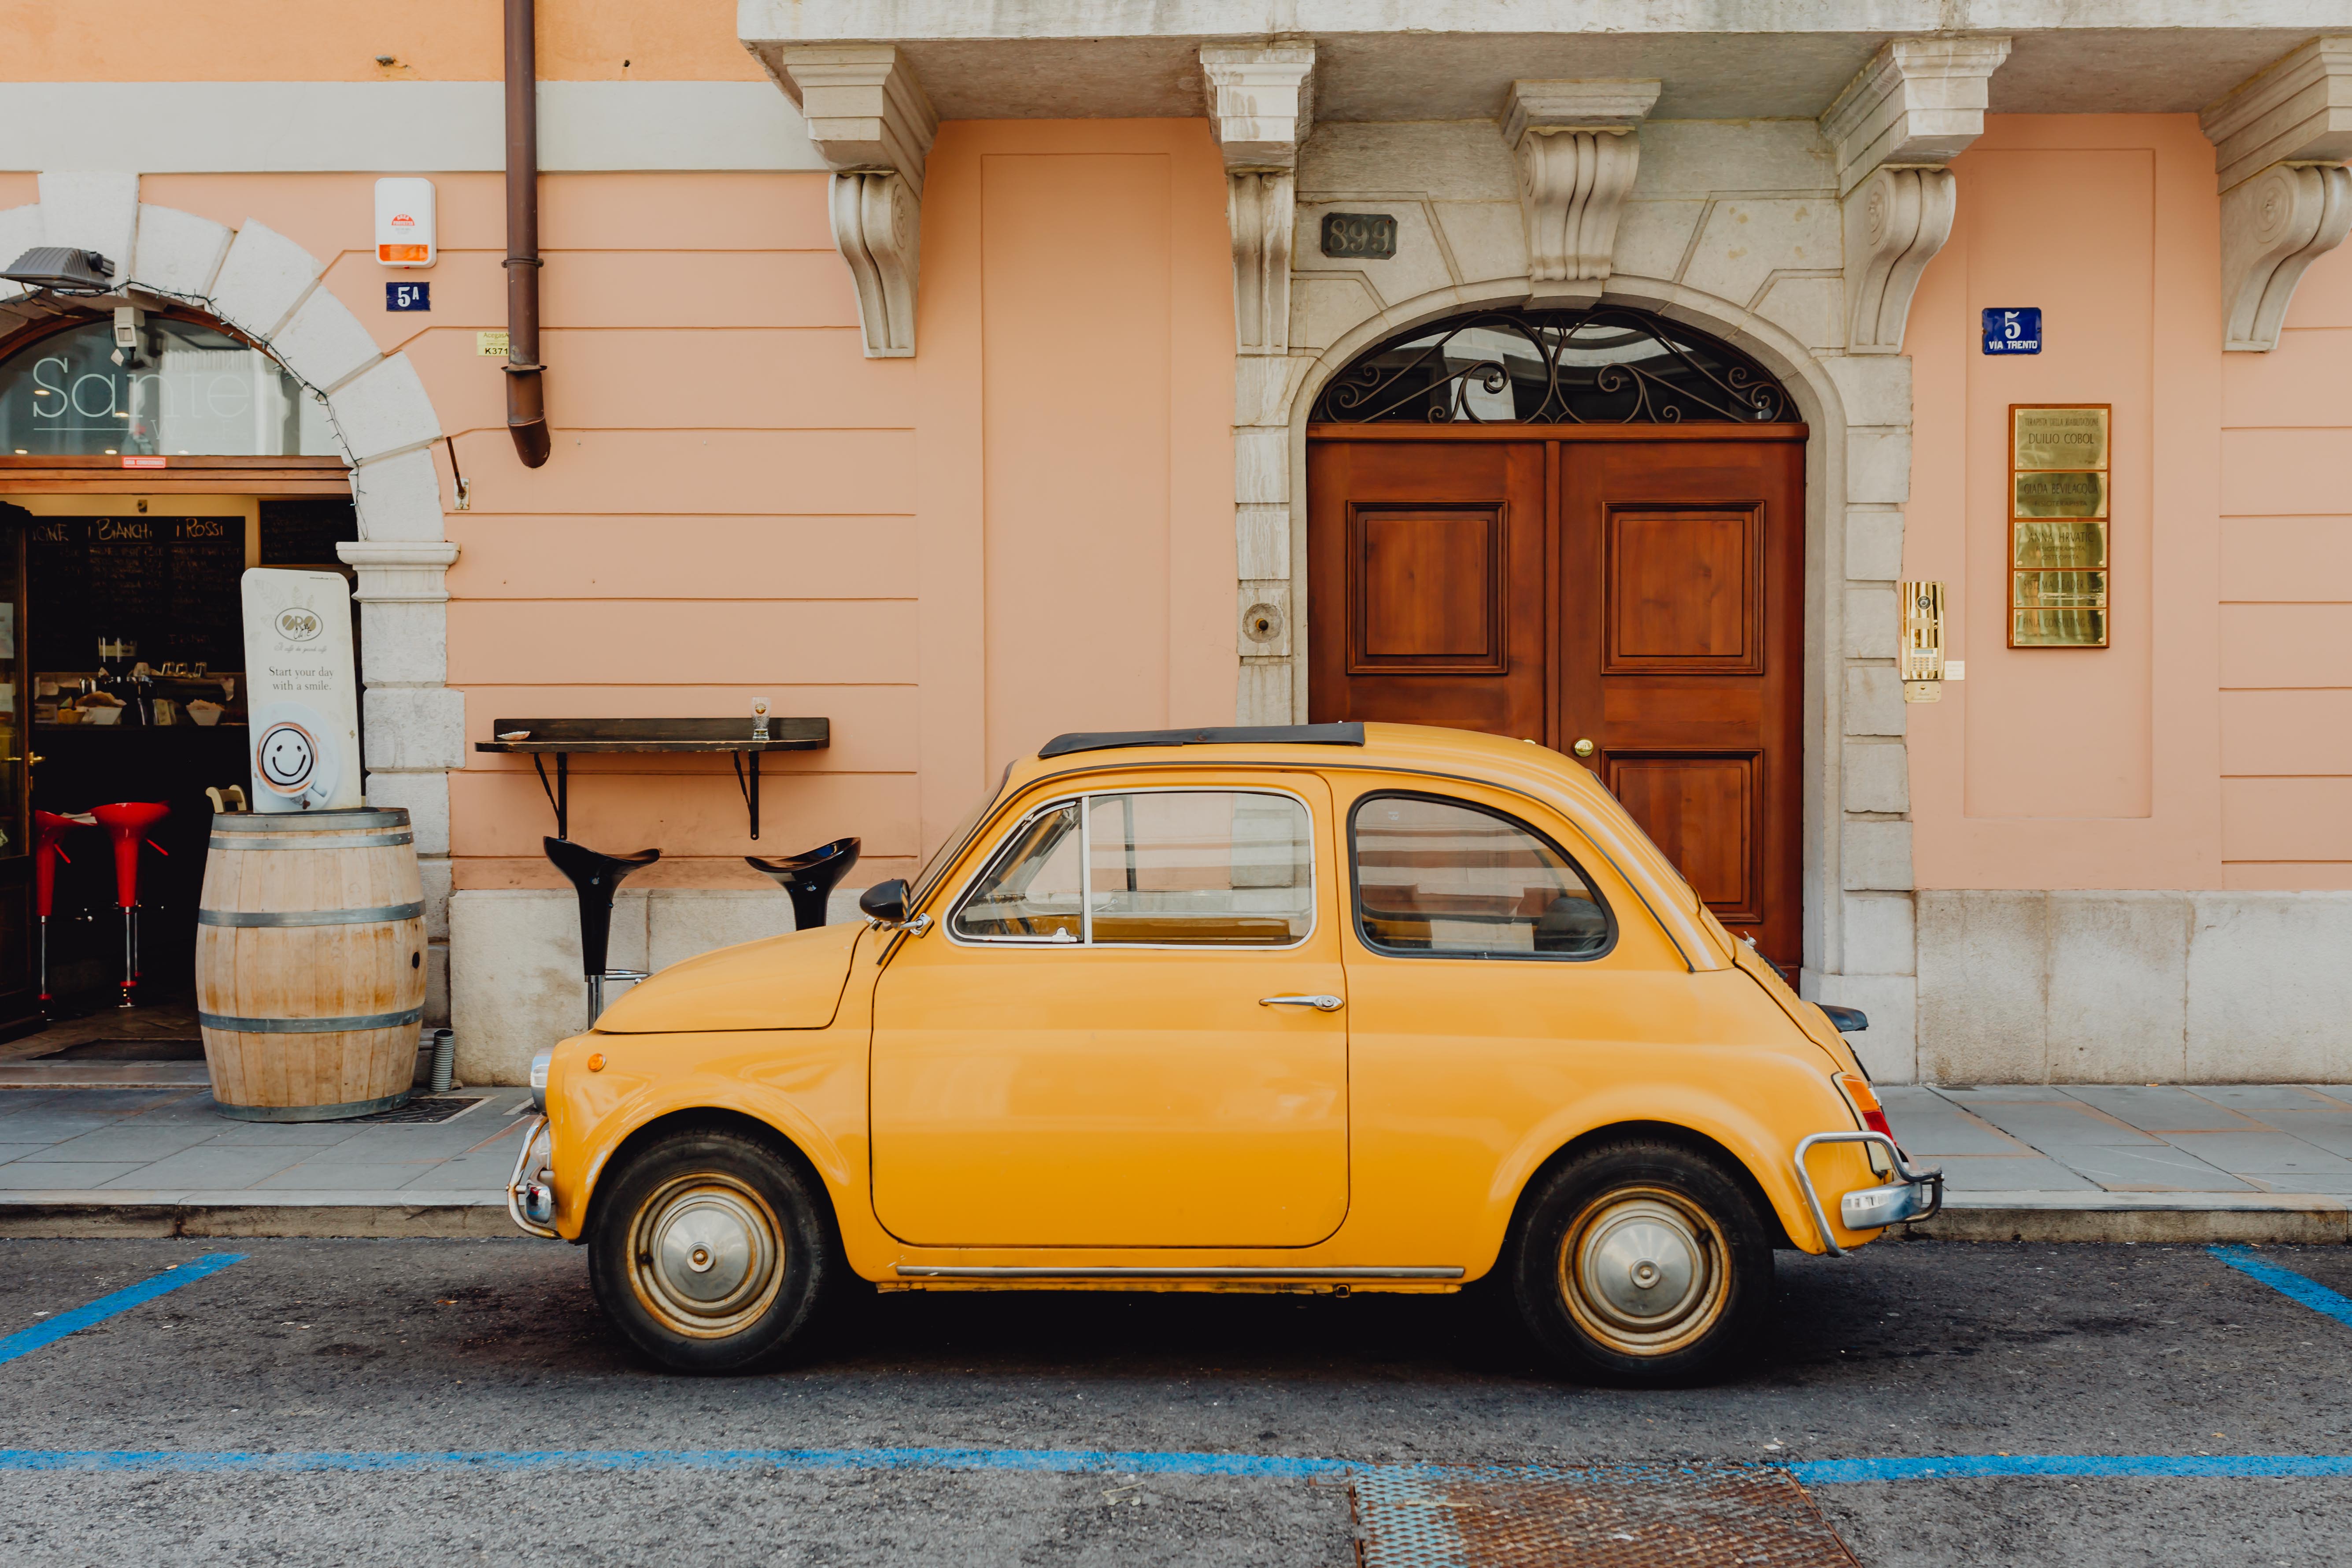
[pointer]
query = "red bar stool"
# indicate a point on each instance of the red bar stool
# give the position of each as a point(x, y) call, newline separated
point(49, 829)
point(127, 822)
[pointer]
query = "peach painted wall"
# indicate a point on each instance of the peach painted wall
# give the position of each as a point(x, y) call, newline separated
point(338, 40)
point(2206, 748)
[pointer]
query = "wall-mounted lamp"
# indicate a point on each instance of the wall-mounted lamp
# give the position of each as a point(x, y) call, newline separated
point(63, 270)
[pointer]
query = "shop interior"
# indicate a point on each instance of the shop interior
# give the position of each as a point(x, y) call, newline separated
point(142, 480)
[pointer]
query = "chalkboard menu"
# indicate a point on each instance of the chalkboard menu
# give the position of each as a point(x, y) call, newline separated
point(168, 584)
point(304, 532)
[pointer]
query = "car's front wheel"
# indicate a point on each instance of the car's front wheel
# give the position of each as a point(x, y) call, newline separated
point(1643, 1262)
point(710, 1251)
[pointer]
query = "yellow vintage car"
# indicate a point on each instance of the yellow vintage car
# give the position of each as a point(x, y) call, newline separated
point(1331, 1008)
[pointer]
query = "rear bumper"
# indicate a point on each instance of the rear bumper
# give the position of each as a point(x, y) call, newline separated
point(531, 1191)
point(1919, 1194)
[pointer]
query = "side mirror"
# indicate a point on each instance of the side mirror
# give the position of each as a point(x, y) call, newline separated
point(885, 903)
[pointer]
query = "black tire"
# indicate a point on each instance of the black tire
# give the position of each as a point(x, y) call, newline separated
point(1641, 1262)
point(713, 1251)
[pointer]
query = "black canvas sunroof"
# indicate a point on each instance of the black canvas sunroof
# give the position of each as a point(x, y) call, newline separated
point(1348, 734)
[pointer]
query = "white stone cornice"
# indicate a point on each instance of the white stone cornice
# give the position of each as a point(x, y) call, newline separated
point(1912, 110)
point(1576, 151)
point(874, 127)
point(2298, 111)
point(1920, 101)
point(2280, 140)
point(1261, 101)
point(1261, 104)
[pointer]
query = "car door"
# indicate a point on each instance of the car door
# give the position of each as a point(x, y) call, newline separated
point(1109, 1039)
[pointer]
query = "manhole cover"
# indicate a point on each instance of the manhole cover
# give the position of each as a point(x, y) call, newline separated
point(426, 1109)
point(1606, 1516)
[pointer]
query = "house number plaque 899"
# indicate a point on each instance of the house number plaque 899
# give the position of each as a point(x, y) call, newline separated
point(1369, 236)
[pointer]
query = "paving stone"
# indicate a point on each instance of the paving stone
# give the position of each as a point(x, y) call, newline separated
point(2161, 1109)
point(17, 1175)
point(2163, 1169)
point(1948, 1131)
point(17, 1151)
point(342, 1175)
point(206, 1165)
point(2043, 1125)
point(2328, 1130)
point(1980, 1174)
point(2256, 1098)
point(1975, 1094)
point(117, 1141)
point(2261, 1153)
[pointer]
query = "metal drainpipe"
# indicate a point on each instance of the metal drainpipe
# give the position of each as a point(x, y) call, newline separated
point(526, 396)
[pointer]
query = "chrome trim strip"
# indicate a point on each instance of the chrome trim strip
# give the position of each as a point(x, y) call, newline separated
point(382, 912)
point(235, 1025)
point(312, 841)
point(958, 1271)
point(1901, 1168)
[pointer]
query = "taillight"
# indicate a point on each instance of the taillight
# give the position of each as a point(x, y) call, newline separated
point(1865, 1103)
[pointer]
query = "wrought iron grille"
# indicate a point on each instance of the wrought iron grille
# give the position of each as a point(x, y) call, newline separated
point(1608, 365)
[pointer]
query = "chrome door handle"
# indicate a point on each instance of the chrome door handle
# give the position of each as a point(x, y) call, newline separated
point(1320, 1003)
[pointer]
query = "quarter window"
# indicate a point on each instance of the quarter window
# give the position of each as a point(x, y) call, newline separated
point(1151, 868)
point(1445, 879)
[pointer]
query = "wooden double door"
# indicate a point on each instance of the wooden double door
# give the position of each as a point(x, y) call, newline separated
point(1631, 594)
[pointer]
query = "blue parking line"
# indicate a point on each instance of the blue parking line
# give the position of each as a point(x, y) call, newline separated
point(47, 1333)
point(1089, 1461)
point(2086, 1466)
point(2288, 1282)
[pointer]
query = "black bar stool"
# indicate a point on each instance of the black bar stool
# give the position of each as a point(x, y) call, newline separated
point(809, 878)
point(595, 878)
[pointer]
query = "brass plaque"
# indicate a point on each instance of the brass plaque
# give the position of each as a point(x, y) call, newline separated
point(2049, 494)
point(2077, 545)
point(2060, 439)
point(2058, 628)
point(2059, 590)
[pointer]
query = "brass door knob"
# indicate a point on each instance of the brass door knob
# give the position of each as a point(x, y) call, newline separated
point(1582, 748)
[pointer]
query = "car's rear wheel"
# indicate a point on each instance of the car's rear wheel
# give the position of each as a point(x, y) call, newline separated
point(710, 1251)
point(1641, 1262)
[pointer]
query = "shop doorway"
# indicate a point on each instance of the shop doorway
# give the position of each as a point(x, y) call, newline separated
point(1584, 529)
point(137, 484)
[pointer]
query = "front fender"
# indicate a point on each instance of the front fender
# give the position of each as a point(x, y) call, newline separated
point(807, 1085)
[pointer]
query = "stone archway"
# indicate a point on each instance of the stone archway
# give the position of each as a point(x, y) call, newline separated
point(269, 290)
point(1858, 914)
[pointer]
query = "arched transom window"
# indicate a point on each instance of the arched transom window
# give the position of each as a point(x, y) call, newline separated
point(178, 388)
point(1606, 365)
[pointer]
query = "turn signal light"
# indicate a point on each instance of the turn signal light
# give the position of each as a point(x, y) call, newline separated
point(1865, 1103)
point(389, 253)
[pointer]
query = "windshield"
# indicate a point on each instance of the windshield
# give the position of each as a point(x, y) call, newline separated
point(936, 867)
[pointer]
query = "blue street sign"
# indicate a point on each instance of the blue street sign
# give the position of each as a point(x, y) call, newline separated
point(2017, 332)
point(419, 297)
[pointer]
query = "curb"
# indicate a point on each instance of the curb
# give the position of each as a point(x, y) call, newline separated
point(338, 1217)
point(2301, 1219)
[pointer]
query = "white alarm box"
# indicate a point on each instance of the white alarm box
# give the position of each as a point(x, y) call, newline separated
point(403, 222)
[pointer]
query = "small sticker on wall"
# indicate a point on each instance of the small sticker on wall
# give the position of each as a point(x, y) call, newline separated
point(490, 345)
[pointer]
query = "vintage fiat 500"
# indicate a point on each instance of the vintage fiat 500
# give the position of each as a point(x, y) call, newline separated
point(1332, 1008)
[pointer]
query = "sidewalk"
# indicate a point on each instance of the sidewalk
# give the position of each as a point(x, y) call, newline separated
point(112, 1148)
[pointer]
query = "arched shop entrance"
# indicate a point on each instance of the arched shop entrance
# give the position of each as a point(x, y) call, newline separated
point(1583, 528)
point(147, 459)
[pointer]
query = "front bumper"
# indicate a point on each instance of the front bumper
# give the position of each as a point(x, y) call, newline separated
point(1918, 1196)
point(530, 1190)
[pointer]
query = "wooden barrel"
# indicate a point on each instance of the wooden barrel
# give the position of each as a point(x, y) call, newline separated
point(310, 964)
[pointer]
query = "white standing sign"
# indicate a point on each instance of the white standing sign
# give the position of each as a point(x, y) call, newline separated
point(302, 690)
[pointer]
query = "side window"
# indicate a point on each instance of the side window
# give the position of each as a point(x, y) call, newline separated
point(1158, 867)
point(1218, 868)
point(1446, 880)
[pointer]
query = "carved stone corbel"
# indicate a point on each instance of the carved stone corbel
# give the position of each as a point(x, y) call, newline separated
point(1260, 107)
point(868, 117)
point(1915, 108)
point(1577, 152)
point(2280, 142)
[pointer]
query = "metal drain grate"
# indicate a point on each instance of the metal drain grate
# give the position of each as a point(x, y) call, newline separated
point(427, 1109)
point(1606, 1516)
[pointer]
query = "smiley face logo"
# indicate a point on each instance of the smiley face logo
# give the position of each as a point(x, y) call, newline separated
point(286, 756)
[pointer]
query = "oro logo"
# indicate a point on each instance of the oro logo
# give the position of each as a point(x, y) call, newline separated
point(296, 624)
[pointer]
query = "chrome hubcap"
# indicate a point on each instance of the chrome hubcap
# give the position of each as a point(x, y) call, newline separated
point(708, 1256)
point(1641, 1270)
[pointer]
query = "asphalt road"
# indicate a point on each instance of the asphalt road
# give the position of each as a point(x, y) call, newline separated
point(425, 1348)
